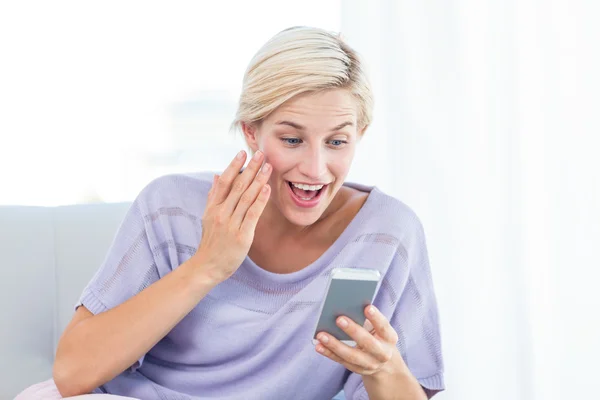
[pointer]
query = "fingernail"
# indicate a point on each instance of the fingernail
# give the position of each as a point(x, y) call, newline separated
point(343, 323)
point(323, 339)
point(240, 155)
point(266, 169)
point(257, 155)
point(371, 310)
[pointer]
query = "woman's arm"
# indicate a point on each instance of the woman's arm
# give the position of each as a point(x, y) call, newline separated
point(397, 383)
point(95, 348)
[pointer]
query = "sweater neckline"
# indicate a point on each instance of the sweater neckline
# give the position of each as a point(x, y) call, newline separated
point(266, 277)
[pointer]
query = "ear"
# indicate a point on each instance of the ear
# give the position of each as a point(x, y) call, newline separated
point(361, 132)
point(251, 135)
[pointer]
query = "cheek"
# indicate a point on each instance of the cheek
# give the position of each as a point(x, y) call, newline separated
point(277, 159)
point(340, 166)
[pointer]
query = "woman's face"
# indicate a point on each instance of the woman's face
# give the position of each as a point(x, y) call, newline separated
point(308, 140)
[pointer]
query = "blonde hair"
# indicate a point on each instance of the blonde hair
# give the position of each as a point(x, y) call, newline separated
point(301, 60)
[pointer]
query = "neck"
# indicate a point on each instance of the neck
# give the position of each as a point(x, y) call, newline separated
point(273, 223)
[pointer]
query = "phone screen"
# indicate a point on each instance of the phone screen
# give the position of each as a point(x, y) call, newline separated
point(347, 297)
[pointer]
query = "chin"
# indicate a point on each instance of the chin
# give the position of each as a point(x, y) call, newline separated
point(302, 219)
point(299, 213)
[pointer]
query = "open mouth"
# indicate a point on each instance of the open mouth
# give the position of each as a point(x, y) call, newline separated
point(305, 198)
point(305, 194)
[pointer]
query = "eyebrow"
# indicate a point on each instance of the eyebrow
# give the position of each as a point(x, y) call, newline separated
point(302, 128)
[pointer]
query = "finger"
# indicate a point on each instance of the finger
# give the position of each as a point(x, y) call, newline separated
point(350, 355)
point(369, 326)
point(332, 356)
point(211, 192)
point(250, 195)
point(242, 182)
point(381, 325)
point(226, 179)
point(364, 339)
point(254, 212)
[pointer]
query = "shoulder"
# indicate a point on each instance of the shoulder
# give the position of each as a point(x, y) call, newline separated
point(388, 235)
point(386, 229)
point(387, 214)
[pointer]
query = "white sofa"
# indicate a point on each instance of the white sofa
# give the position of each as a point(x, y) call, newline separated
point(48, 255)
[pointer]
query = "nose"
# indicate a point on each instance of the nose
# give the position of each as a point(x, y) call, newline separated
point(313, 165)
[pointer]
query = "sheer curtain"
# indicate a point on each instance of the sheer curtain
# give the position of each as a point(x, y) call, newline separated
point(485, 126)
point(99, 98)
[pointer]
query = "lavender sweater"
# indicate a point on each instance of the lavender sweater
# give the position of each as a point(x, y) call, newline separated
point(250, 337)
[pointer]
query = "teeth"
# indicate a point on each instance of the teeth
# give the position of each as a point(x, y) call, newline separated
point(307, 187)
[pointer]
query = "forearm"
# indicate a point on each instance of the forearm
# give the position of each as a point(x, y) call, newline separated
point(100, 347)
point(394, 383)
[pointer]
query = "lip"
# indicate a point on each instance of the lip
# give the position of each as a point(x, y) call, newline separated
point(304, 203)
point(310, 184)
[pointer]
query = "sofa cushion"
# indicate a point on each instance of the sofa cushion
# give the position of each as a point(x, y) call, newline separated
point(28, 291)
point(83, 235)
point(48, 255)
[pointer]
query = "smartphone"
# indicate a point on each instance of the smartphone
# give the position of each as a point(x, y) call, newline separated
point(349, 291)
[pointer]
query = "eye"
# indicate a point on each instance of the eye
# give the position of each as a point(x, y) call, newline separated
point(291, 141)
point(338, 142)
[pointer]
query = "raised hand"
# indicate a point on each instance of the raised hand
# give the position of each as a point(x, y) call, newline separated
point(235, 203)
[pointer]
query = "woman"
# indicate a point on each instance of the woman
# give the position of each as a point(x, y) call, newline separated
point(213, 282)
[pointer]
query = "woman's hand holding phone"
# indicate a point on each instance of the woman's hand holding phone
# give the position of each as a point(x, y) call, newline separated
point(375, 349)
point(353, 332)
point(235, 203)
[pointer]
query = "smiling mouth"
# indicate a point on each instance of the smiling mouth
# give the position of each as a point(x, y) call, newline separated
point(305, 195)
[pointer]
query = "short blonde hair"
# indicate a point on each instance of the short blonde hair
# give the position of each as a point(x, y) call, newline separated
point(301, 60)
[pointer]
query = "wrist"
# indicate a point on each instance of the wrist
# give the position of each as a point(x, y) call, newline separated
point(394, 377)
point(207, 268)
point(395, 370)
point(396, 367)
point(198, 275)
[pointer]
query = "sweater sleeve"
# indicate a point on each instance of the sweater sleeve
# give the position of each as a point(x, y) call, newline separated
point(415, 319)
point(132, 263)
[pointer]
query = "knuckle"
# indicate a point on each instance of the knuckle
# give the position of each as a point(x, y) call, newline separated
point(246, 198)
point(263, 178)
point(240, 237)
point(372, 367)
point(238, 186)
point(265, 192)
point(252, 214)
point(220, 218)
point(388, 356)
point(383, 357)
point(223, 182)
point(352, 359)
point(368, 366)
